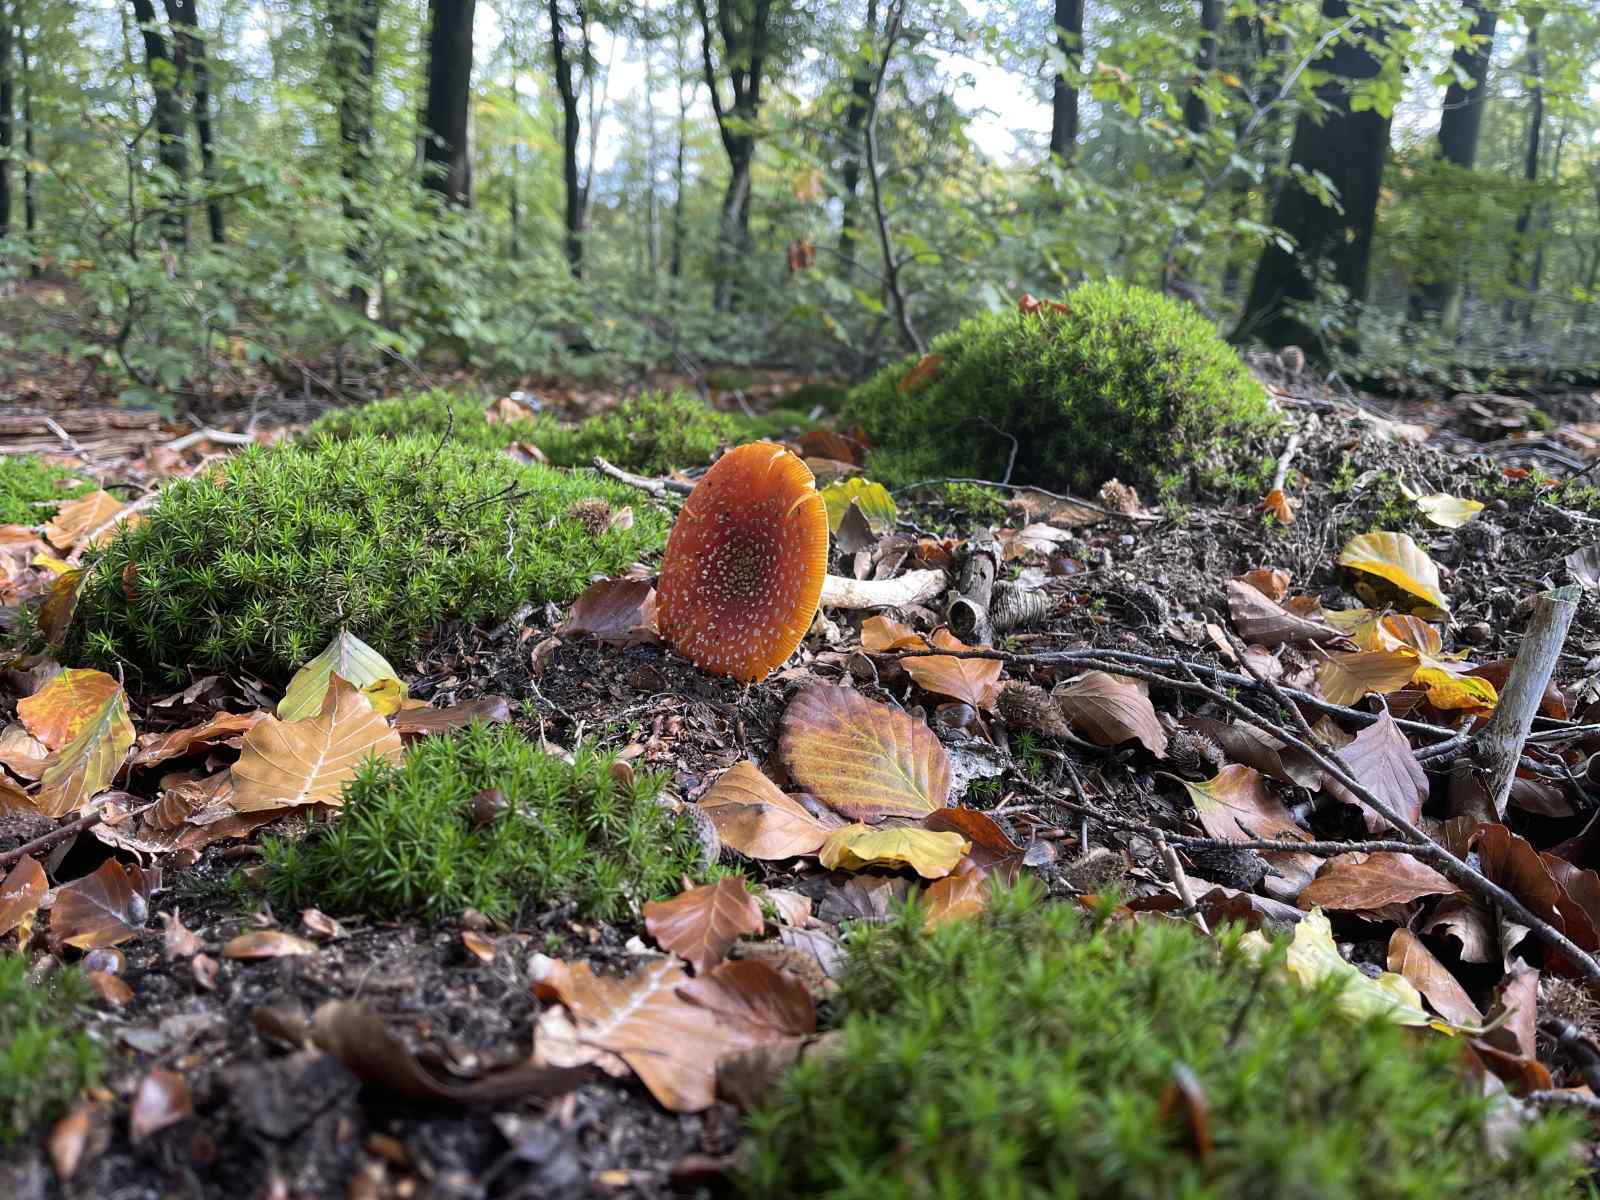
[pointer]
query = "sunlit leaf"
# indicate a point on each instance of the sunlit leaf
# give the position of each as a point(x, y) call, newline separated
point(58, 711)
point(1398, 559)
point(1447, 691)
point(701, 924)
point(873, 499)
point(1345, 678)
point(288, 763)
point(861, 758)
point(102, 909)
point(348, 657)
point(974, 681)
point(755, 818)
point(85, 766)
point(1448, 512)
point(1112, 710)
point(932, 855)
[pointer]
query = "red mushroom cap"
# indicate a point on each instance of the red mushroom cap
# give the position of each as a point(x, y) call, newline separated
point(744, 565)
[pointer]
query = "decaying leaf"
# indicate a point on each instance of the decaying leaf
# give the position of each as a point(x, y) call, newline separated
point(58, 711)
point(618, 611)
point(1264, 622)
point(1413, 960)
point(1398, 559)
point(84, 521)
point(25, 755)
point(1359, 882)
point(21, 893)
point(288, 763)
point(1251, 747)
point(77, 1138)
point(1112, 710)
point(861, 758)
point(163, 1099)
point(955, 898)
point(881, 634)
point(267, 943)
point(924, 372)
point(102, 909)
point(159, 747)
point(755, 818)
point(992, 851)
point(752, 995)
point(1380, 758)
point(85, 766)
point(1236, 806)
point(352, 660)
point(1345, 678)
point(932, 855)
point(974, 681)
point(702, 924)
point(419, 720)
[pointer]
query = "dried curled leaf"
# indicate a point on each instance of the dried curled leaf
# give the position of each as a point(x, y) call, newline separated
point(1112, 710)
point(974, 681)
point(861, 758)
point(755, 818)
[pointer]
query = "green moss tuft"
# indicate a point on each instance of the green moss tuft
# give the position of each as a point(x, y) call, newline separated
point(426, 414)
point(1128, 383)
point(28, 484)
point(43, 1064)
point(1026, 1054)
point(406, 842)
point(258, 563)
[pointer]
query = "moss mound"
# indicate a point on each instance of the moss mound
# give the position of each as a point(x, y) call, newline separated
point(28, 484)
point(1125, 383)
point(651, 433)
point(1028, 1053)
point(426, 837)
point(259, 563)
point(43, 1064)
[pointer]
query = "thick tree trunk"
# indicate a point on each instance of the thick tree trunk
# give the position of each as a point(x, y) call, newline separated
point(354, 59)
point(1459, 126)
point(1350, 149)
point(1530, 165)
point(854, 118)
point(1196, 113)
point(570, 130)
point(171, 139)
point(185, 22)
point(8, 80)
point(447, 163)
point(1064, 95)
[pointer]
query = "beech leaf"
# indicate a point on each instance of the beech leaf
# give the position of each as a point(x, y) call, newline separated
point(1112, 710)
point(289, 763)
point(955, 898)
point(755, 818)
point(702, 924)
point(1236, 806)
point(267, 943)
point(421, 719)
point(1398, 559)
point(619, 611)
point(974, 681)
point(21, 893)
point(159, 747)
point(1345, 678)
point(1448, 512)
point(1380, 758)
point(872, 500)
point(83, 521)
point(58, 711)
point(881, 634)
point(1262, 621)
point(163, 1099)
point(1359, 882)
point(861, 758)
point(1408, 956)
point(931, 854)
point(102, 909)
point(85, 766)
point(752, 994)
point(352, 660)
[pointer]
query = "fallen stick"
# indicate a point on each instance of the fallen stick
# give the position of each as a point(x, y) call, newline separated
point(967, 614)
point(45, 841)
point(659, 488)
point(914, 587)
point(221, 437)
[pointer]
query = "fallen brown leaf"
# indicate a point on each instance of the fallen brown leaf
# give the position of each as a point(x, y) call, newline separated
point(267, 943)
point(1359, 882)
point(410, 722)
point(863, 759)
point(159, 747)
point(58, 711)
point(102, 909)
point(619, 611)
point(79, 1137)
point(1112, 710)
point(974, 681)
point(86, 766)
point(1409, 957)
point(21, 894)
point(755, 818)
point(702, 924)
point(1380, 758)
point(163, 1099)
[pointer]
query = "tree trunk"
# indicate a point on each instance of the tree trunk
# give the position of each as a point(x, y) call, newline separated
point(1530, 165)
point(30, 204)
point(652, 204)
point(185, 22)
point(514, 180)
point(447, 163)
point(1196, 113)
point(681, 62)
point(1459, 127)
point(353, 61)
point(1349, 148)
point(855, 116)
point(1064, 95)
point(8, 81)
point(171, 140)
point(733, 224)
point(569, 139)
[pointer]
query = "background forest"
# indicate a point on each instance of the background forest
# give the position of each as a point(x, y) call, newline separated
point(209, 197)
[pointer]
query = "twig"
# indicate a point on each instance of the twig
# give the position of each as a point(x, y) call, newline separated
point(47, 840)
point(221, 436)
point(1180, 880)
point(1558, 1098)
point(67, 440)
point(1284, 460)
point(1140, 518)
point(914, 587)
point(658, 488)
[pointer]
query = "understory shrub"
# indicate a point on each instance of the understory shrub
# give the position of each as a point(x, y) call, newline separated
point(1034, 1052)
point(258, 563)
point(1125, 382)
point(28, 485)
point(429, 837)
point(43, 1063)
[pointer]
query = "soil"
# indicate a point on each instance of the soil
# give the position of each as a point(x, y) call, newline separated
point(274, 1119)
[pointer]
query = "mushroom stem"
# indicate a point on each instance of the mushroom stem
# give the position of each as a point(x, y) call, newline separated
point(914, 587)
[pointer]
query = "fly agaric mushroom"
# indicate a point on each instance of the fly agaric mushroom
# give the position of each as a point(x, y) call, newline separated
point(744, 566)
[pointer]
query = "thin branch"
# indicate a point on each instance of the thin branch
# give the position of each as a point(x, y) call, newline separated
point(891, 266)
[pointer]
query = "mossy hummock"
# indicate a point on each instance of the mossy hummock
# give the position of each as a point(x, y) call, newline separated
point(484, 819)
point(258, 563)
point(44, 1062)
point(1041, 1052)
point(30, 488)
point(1117, 381)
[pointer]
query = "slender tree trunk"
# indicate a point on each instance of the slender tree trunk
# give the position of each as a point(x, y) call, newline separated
point(854, 118)
point(1530, 166)
point(1536, 274)
point(1064, 93)
point(1349, 148)
point(1459, 126)
point(515, 178)
point(171, 140)
point(354, 62)
point(1196, 113)
point(185, 22)
point(8, 80)
point(733, 223)
point(30, 204)
point(681, 62)
point(652, 214)
point(447, 161)
point(570, 131)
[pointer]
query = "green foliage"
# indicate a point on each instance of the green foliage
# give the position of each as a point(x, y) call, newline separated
point(1127, 383)
point(406, 840)
point(28, 483)
point(1026, 1054)
point(651, 433)
point(258, 563)
point(43, 1063)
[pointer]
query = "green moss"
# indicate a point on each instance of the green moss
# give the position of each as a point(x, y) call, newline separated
point(426, 414)
point(406, 842)
point(830, 397)
point(1127, 383)
point(1026, 1054)
point(28, 485)
point(43, 1062)
point(257, 564)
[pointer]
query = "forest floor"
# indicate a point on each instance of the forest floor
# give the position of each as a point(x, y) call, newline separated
point(268, 1115)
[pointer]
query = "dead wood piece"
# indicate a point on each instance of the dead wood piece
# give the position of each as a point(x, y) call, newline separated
point(659, 488)
point(1013, 606)
point(914, 587)
point(967, 614)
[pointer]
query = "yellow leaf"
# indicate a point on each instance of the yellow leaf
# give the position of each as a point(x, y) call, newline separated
point(1450, 512)
point(353, 661)
point(58, 711)
point(873, 499)
point(56, 566)
point(287, 763)
point(932, 855)
point(85, 766)
point(1398, 559)
point(861, 758)
point(1345, 678)
point(1447, 690)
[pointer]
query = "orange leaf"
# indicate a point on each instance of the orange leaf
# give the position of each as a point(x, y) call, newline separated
point(926, 370)
point(1409, 957)
point(289, 763)
point(85, 766)
point(955, 898)
point(1278, 505)
point(163, 1099)
point(1112, 710)
point(21, 894)
point(267, 943)
point(861, 758)
point(753, 817)
point(78, 521)
point(102, 909)
point(700, 925)
point(1236, 806)
point(975, 681)
point(159, 747)
point(1359, 882)
point(58, 711)
point(60, 604)
point(880, 634)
